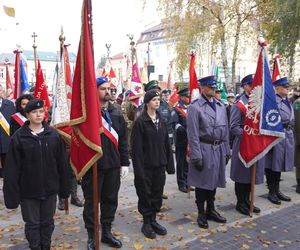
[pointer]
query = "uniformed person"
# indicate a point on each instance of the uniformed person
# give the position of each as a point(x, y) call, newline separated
point(238, 172)
point(297, 137)
point(36, 172)
point(208, 137)
point(151, 157)
point(281, 157)
point(111, 165)
point(178, 121)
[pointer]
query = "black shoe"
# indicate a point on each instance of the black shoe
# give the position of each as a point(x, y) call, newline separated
point(212, 214)
point(76, 202)
point(192, 189)
point(255, 209)
point(242, 208)
point(202, 221)
point(164, 196)
point(48, 247)
point(61, 204)
point(283, 197)
point(183, 189)
point(298, 189)
point(91, 244)
point(158, 229)
point(148, 231)
point(274, 199)
point(111, 241)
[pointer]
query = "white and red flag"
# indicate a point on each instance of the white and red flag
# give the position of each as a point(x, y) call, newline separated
point(136, 88)
point(276, 68)
point(262, 127)
point(194, 88)
point(9, 85)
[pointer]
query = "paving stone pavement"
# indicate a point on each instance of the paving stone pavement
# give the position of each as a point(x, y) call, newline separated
point(179, 216)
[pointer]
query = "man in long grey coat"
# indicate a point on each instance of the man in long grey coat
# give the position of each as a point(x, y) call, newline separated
point(281, 157)
point(238, 172)
point(208, 137)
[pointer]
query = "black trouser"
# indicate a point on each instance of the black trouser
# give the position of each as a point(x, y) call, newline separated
point(39, 223)
point(150, 189)
point(181, 166)
point(203, 195)
point(108, 189)
point(241, 191)
point(2, 156)
point(272, 177)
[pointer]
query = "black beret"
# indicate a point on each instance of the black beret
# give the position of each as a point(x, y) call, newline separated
point(149, 95)
point(34, 104)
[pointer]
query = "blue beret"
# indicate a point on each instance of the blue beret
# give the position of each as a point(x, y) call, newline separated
point(247, 80)
point(209, 81)
point(34, 104)
point(100, 80)
point(281, 82)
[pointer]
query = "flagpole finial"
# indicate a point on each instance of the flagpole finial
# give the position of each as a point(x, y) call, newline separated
point(108, 45)
point(261, 41)
point(6, 60)
point(62, 37)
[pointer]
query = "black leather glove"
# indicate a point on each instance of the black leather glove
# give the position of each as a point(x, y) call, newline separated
point(197, 164)
point(227, 158)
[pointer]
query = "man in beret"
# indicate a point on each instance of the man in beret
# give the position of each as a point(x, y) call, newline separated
point(281, 157)
point(36, 173)
point(178, 121)
point(238, 172)
point(207, 131)
point(112, 166)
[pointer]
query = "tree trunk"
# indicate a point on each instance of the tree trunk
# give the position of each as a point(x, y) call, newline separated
point(224, 55)
point(235, 51)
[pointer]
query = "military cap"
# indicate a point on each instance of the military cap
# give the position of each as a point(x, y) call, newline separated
point(34, 104)
point(247, 80)
point(230, 95)
point(218, 90)
point(166, 91)
point(152, 85)
point(281, 82)
point(150, 94)
point(100, 80)
point(209, 81)
point(184, 92)
point(113, 91)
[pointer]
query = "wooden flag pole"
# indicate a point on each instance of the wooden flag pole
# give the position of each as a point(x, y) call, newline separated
point(96, 207)
point(252, 188)
point(66, 206)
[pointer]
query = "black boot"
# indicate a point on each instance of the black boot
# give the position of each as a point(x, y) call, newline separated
point(108, 238)
point(247, 199)
point(201, 220)
point(158, 229)
point(280, 195)
point(241, 205)
point(74, 197)
point(147, 228)
point(272, 196)
point(211, 213)
point(90, 244)
point(45, 247)
point(61, 204)
point(298, 186)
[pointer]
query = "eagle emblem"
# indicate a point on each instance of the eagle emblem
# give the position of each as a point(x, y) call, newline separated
point(254, 107)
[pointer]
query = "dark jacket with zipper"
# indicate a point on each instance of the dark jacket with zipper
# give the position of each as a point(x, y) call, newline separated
point(150, 146)
point(35, 166)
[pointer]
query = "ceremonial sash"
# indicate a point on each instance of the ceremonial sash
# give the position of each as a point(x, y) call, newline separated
point(20, 119)
point(243, 107)
point(110, 132)
point(181, 110)
point(4, 124)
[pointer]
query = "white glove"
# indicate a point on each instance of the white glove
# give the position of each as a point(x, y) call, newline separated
point(124, 171)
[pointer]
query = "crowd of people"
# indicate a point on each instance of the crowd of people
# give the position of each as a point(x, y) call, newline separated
point(204, 135)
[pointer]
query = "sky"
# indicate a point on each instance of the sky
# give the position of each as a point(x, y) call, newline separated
point(112, 21)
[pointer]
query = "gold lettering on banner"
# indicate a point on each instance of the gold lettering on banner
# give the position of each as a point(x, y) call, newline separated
point(75, 138)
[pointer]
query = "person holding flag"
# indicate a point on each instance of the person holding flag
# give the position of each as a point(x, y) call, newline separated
point(208, 138)
point(178, 121)
point(19, 118)
point(7, 109)
point(238, 173)
point(111, 166)
point(281, 157)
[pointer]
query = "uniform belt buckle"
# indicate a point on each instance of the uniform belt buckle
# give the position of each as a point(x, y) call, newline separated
point(216, 142)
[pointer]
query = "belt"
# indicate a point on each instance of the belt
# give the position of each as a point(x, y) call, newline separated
point(212, 142)
point(288, 126)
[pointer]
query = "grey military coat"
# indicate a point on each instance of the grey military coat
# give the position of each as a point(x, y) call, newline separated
point(204, 122)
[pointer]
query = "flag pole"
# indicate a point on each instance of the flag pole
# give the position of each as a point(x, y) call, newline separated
point(34, 51)
point(95, 169)
point(252, 188)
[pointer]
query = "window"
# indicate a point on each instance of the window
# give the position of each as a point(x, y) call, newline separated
point(1, 73)
point(160, 78)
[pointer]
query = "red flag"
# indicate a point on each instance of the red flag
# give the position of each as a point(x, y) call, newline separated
point(9, 85)
point(68, 76)
point(194, 88)
point(170, 83)
point(262, 126)
point(85, 107)
point(174, 97)
point(113, 78)
point(276, 68)
point(41, 89)
point(17, 89)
